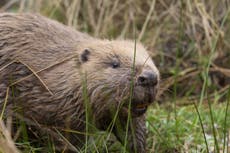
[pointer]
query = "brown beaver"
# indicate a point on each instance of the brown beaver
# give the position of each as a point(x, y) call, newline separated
point(53, 75)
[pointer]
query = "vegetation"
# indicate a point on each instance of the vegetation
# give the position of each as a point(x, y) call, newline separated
point(189, 42)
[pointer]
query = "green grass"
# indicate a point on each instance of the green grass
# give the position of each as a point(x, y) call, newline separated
point(162, 128)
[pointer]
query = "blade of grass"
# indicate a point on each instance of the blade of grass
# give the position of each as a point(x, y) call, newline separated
point(228, 142)
point(147, 20)
point(86, 103)
point(51, 145)
point(131, 94)
point(4, 105)
point(213, 126)
point(202, 126)
point(213, 49)
point(225, 121)
point(64, 139)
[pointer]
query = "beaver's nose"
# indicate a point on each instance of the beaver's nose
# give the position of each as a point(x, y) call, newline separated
point(147, 78)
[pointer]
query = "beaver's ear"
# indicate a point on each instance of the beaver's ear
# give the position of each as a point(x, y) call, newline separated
point(84, 56)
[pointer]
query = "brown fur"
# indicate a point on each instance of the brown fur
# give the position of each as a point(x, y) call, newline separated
point(54, 60)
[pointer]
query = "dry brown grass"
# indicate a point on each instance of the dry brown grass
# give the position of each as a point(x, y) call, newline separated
point(6, 143)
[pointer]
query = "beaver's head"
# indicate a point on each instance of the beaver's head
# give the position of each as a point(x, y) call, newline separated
point(118, 73)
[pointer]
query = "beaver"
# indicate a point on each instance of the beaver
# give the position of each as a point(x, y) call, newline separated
point(53, 75)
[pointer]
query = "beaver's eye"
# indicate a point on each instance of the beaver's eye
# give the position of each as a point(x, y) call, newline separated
point(84, 56)
point(115, 64)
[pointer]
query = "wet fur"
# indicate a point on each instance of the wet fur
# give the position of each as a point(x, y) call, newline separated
point(51, 55)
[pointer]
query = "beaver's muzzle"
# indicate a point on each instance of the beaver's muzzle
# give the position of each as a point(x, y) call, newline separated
point(147, 78)
point(144, 91)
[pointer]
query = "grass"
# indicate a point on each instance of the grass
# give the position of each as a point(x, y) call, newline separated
point(189, 42)
point(162, 129)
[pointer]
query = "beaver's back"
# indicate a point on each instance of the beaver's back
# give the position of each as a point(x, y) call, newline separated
point(29, 36)
point(34, 44)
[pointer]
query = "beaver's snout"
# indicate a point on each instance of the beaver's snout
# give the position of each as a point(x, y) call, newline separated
point(147, 78)
point(144, 91)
